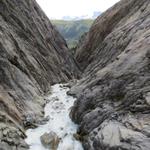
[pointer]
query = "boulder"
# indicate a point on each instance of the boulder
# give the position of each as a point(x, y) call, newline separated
point(50, 140)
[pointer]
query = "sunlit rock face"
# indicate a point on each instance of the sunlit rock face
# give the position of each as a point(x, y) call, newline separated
point(113, 106)
point(33, 56)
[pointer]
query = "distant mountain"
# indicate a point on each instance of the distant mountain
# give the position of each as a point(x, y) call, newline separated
point(83, 17)
point(96, 14)
point(76, 18)
point(72, 30)
point(67, 18)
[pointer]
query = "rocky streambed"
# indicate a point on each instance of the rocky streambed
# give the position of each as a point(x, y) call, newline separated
point(58, 133)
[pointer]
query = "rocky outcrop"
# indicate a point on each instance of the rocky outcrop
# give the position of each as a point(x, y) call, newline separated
point(33, 56)
point(113, 97)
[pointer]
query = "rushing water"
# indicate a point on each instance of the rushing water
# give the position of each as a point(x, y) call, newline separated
point(58, 110)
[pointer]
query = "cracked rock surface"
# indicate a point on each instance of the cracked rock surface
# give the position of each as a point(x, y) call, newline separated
point(113, 96)
point(33, 56)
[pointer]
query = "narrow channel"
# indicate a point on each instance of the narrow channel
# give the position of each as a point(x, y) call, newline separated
point(58, 110)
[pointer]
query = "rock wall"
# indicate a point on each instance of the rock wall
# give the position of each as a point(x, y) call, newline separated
point(113, 97)
point(33, 56)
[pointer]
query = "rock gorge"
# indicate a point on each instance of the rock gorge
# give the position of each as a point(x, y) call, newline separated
point(113, 93)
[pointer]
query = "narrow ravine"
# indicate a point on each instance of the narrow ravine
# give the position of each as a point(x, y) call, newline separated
point(58, 110)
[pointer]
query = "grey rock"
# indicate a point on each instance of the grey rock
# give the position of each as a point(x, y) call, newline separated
point(50, 140)
point(4, 146)
point(43, 120)
point(112, 107)
point(33, 56)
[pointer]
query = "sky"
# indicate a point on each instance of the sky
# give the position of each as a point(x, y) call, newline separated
point(56, 9)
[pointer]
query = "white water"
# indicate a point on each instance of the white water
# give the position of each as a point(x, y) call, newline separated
point(60, 122)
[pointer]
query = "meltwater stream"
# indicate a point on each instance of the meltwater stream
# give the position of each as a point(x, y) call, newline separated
point(58, 110)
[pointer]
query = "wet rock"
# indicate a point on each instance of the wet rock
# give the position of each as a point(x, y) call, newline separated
point(29, 121)
point(12, 138)
point(50, 140)
point(70, 83)
point(43, 120)
point(4, 146)
point(55, 99)
point(77, 137)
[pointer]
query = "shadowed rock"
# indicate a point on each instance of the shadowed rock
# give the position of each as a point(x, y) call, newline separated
point(33, 56)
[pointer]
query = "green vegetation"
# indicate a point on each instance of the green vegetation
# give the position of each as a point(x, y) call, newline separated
point(72, 30)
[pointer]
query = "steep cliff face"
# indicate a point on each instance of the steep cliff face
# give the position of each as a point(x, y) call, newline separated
point(124, 15)
point(113, 97)
point(33, 56)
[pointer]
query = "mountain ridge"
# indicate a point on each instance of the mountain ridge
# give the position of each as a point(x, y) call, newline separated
point(72, 30)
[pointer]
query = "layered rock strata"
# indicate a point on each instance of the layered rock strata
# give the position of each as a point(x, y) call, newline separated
point(113, 96)
point(33, 56)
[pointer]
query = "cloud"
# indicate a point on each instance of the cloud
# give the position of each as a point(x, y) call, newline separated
point(59, 8)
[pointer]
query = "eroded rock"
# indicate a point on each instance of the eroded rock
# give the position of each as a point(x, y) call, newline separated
point(50, 140)
point(112, 107)
point(33, 56)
